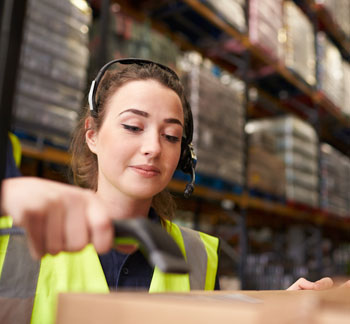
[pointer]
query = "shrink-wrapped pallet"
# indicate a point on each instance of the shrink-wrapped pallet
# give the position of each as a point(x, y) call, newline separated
point(128, 37)
point(331, 80)
point(265, 26)
point(340, 13)
point(218, 124)
point(335, 181)
point(232, 11)
point(295, 143)
point(265, 172)
point(53, 68)
point(299, 49)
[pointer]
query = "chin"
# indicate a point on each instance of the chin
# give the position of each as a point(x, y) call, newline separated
point(143, 194)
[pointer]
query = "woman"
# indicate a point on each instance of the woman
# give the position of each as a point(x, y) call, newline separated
point(128, 143)
point(135, 133)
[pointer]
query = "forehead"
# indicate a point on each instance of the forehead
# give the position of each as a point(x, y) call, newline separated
point(149, 95)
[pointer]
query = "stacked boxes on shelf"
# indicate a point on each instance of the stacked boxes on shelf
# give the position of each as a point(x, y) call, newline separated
point(52, 73)
point(264, 272)
point(265, 170)
point(296, 144)
point(284, 263)
point(331, 80)
point(232, 11)
point(294, 255)
point(342, 16)
point(266, 25)
point(299, 49)
point(130, 38)
point(338, 262)
point(340, 12)
point(218, 117)
point(335, 181)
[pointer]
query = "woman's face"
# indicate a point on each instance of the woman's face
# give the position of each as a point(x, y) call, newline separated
point(139, 143)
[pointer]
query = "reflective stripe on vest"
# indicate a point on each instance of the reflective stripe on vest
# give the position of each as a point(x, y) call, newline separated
point(18, 281)
point(5, 222)
point(196, 258)
point(200, 252)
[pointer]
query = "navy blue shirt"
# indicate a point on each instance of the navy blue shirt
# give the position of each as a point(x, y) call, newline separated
point(130, 271)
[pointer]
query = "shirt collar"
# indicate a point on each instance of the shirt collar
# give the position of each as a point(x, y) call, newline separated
point(153, 216)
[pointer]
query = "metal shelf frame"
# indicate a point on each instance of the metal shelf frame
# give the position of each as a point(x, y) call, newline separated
point(322, 111)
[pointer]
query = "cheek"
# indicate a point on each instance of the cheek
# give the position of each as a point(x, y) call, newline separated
point(114, 147)
point(173, 158)
point(120, 150)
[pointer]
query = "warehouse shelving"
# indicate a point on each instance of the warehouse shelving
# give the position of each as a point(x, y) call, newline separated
point(265, 75)
point(291, 211)
point(260, 58)
point(302, 94)
point(46, 153)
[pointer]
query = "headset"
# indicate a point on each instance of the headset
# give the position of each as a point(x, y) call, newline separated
point(188, 159)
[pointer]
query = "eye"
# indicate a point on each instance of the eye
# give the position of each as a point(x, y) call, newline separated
point(172, 139)
point(132, 128)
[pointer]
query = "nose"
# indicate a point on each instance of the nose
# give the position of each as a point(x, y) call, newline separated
point(151, 144)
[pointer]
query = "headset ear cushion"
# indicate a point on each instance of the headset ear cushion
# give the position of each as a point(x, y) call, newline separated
point(185, 162)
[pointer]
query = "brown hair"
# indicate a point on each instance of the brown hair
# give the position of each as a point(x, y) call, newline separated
point(84, 162)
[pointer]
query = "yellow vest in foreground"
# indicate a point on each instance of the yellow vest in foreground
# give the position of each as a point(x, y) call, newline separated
point(82, 272)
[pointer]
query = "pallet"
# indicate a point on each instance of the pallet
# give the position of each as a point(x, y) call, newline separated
point(211, 182)
point(266, 196)
point(218, 184)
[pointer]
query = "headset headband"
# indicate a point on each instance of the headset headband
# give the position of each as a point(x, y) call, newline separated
point(100, 74)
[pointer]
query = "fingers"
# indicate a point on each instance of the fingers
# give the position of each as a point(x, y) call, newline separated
point(100, 226)
point(75, 226)
point(88, 221)
point(69, 224)
point(55, 237)
point(34, 222)
point(303, 284)
point(345, 284)
point(57, 217)
point(85, 220)
point(324, 283)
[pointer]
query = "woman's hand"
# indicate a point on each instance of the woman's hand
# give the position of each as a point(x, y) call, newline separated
point(57, 217)
point(322, 284)
point(303, 284)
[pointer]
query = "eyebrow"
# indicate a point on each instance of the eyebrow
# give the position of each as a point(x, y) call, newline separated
point(136, 112)
point(146, 114)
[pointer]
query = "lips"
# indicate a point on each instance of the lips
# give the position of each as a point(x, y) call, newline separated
point(147, 171)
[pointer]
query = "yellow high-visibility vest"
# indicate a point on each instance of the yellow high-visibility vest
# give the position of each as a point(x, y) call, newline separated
point(82, 272)
point(16, 148)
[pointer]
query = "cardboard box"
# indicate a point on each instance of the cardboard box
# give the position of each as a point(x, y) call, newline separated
point(282, 307)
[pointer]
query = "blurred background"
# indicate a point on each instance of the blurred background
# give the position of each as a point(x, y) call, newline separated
point(269, 86)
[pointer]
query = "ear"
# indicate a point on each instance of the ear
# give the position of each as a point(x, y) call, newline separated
point(91, 134)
